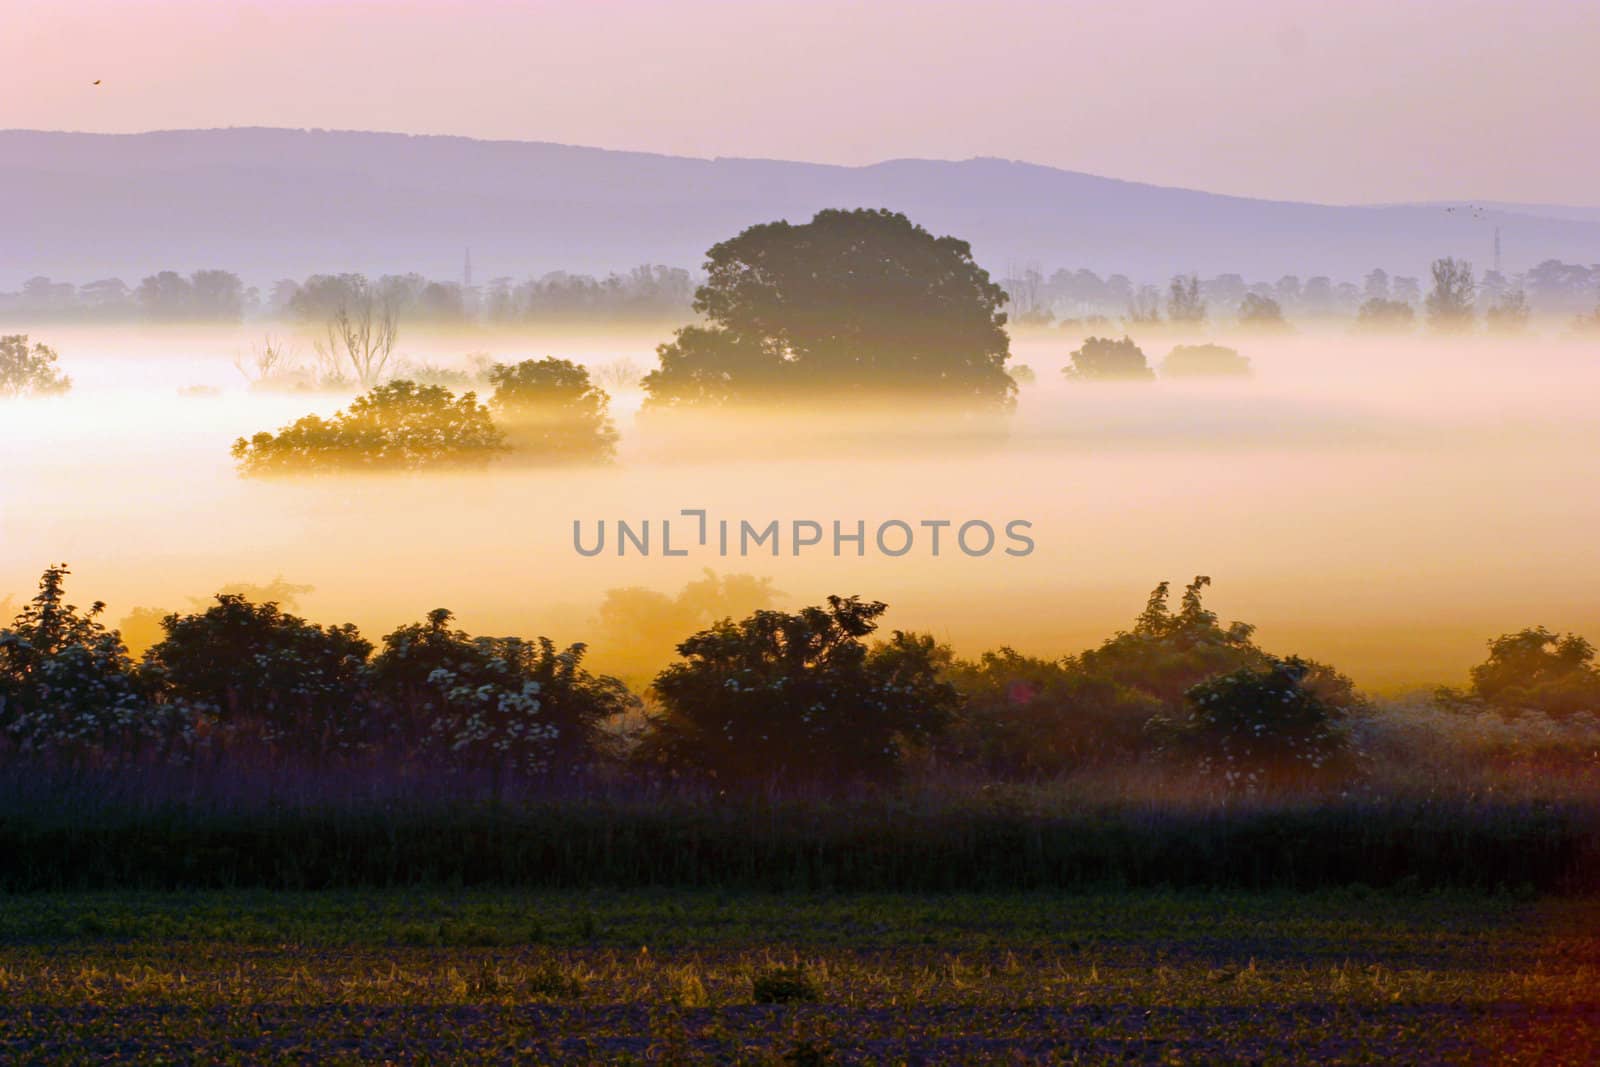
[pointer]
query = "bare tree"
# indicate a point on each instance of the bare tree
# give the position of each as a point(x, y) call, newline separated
point(267, 362)
point(617, 374)
point(361, 334)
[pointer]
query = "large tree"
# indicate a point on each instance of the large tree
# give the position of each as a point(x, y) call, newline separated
point(851, 303)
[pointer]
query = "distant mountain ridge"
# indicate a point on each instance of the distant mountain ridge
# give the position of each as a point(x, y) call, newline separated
point(269, 203)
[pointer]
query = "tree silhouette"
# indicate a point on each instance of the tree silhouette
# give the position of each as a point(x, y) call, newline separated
point(1261, 313)
point(1450, 302)
point(853, 303)
point(1184, 304)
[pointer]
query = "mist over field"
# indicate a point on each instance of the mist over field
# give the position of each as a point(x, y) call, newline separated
point(816, 533)
point(1381, 503)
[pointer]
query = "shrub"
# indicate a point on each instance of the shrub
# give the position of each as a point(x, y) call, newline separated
point(1258, 726)
point(29, 370)
point(397, 426)
point(265, 676)
point(1102, 359)
point(1029, 718)
point(1034, 718)
point(799, 697)
point(68, 690)
point(1204, 361)
point(554, 411)
point(500, 705)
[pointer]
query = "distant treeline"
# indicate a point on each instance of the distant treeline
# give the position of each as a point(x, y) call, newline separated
point(656, 293)
point(646, 293)
point(1552, 287)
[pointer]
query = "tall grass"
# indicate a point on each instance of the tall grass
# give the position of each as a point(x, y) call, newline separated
point(78, 834)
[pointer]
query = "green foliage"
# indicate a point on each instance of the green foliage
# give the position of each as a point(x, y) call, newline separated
point(1205, 361)
point(68, 691)
point(782, 697)
point(852, 303)
point(29, 371)
point(397, 426)
point(1535, 670)
point(554, 412)
point(1102, 359)
point(497, 704)
point(263, 676)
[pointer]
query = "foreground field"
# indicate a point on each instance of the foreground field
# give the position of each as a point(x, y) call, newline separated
point(501, 976)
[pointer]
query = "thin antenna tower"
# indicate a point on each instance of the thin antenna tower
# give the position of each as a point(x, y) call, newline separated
point(1497, 250)
point(466, 272)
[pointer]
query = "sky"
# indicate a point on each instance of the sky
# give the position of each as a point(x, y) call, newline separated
point(1346, 101)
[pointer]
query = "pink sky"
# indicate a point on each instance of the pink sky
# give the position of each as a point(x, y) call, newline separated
point(1359, 100)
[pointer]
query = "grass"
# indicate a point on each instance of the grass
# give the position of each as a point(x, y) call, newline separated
point(873, 843)
point(672, 976)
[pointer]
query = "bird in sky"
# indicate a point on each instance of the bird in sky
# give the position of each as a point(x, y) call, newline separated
point(97, 81)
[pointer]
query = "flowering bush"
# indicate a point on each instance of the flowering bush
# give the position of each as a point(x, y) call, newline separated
point(68, 691)
point(498, 704)
point(264, 676)
point(799, 697)
point(397, 426)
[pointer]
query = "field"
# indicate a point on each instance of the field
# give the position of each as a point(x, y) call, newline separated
point(1346, 976)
